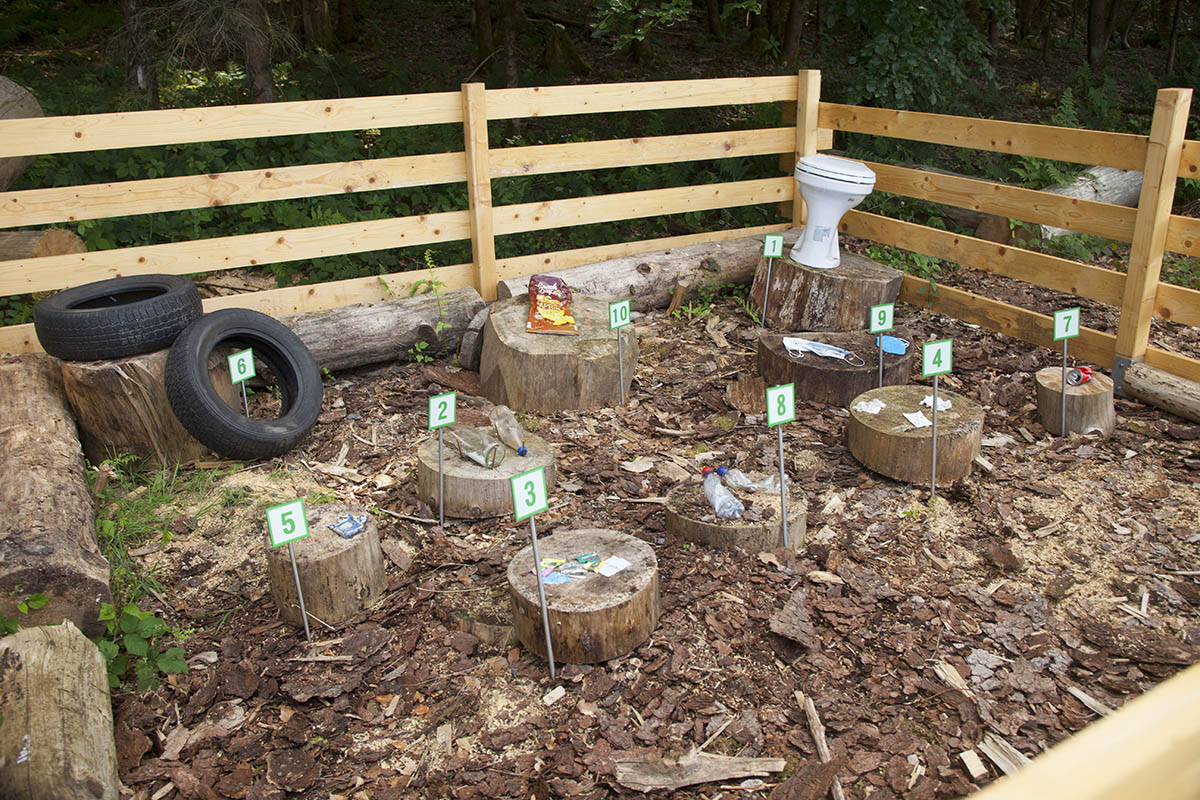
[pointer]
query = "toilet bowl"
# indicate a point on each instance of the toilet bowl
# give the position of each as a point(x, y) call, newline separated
point(830, 187)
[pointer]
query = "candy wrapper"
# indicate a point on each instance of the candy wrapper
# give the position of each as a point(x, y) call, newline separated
point(550, 306)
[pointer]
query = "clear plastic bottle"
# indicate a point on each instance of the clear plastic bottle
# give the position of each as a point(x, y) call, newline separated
point(477, 444)
point(508, 429)
point(721, 499)
point(735, 477)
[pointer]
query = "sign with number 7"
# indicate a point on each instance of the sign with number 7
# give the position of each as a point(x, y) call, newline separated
point(286, 523)
point(529, 493)
point(442, 410)
point(781, 404)
point(1066, 323)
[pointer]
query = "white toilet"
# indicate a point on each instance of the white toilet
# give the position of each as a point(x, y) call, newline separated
point(830, 187)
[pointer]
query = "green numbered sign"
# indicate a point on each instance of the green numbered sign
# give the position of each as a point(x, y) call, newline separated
point(936, 358)
point(529, 493)
point(883, 317)
point(241, 366)
point(773, 245)
point(1066, 323)
point(618, 314)
point(441, 410)
point(286, 522)
point(781, 404)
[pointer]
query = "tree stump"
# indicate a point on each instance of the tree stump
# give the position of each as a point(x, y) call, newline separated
point(1089, 405)
point(56, 740)
point(888, 444)
point(689, 516)
point(810, 299)
point(473, 491)
point(122, 407)
point(48, 529)
point(593, 618)
point(548, 372)
point(340, 577)
point(828, 380)
point(35, 244)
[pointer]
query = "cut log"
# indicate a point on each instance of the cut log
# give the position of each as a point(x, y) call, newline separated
point(390, 330)
point(471, 344)
point(689, 516)
point(15, 103)
point(1173, 394)
point(887, 443)
point(592, 618)
point(35, 244)
point(648, 280)
point(473, 491)
point(651, 772)
point(340, 577)
point(1121, 187)
point(48, 530)
point(56, 740)
point(804, 298)
point(122, 407)
point(546, 373)
point(1089, 405)
point(829, 380)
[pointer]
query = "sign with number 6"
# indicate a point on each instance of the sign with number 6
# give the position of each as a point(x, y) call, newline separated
point(529, 493)
point(936, 358)
point(241, 366)
point(441, 410)
point(286, 522)
point(882, 317)
point(618, 314)
point(781, 404)
point(1066, 323)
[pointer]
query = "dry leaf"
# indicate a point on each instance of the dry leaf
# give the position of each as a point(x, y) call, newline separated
point(639, 464)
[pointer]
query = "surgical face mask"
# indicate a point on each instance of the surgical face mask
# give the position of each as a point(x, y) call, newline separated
point(796, 348)
point(893, 345)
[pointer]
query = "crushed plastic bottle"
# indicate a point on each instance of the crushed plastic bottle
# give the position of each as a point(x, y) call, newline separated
point(508, 429)
point(735, 477)
point(721, 499)
point(477, 444)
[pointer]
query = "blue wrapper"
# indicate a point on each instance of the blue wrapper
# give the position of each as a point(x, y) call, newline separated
point(349, 525)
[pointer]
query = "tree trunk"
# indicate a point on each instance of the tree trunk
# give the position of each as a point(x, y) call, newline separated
point(481, 29)
point(713, 12)
point(510, 23)
point(1100, 20)
point(140, 72)
point(797, 13)
point(258, 54)
point(16, 245)
point(318, 28)
point(15, 103)
point(1173, 45)
point(1089, 405)
point(1160, 389)
point(471, 491)
point(56, 740)
point(48, 531)
point(347, 21)
point(801, 298)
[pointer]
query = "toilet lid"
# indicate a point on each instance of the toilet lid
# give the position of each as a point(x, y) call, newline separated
point(840, 169)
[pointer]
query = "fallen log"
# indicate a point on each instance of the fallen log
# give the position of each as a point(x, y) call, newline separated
point(1121, 187)
point(651, 771)
point(390, 330)
point(48, 531)
point(15, 103)
point(21, 245)
point(56, 740)
point(1160, 389)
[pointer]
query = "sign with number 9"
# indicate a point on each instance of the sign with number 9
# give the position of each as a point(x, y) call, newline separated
point(529, 493)
point(241, 366)
point(1066, 323)
point(882, 317)
point(286, 522)
point(442, 410)
point(618, 314)
point(936, 358)
point(781, 404)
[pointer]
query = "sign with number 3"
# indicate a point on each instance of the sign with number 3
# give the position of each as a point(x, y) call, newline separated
point(529, 493)
point(781, 404)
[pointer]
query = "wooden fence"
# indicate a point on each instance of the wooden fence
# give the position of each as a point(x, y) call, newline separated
point(1163, 155)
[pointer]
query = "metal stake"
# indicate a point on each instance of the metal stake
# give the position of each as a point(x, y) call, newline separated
point(537, 570)
point(783, 509)
point(441, 484)
point(620, 367)
point(933, 474)
point(246, 403)
point(766, 290)
point(879, 341)
point(299, 593)
point(1062, 431)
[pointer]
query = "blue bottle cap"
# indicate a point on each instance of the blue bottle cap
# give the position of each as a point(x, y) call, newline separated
point(522, 451)
point(721, 470)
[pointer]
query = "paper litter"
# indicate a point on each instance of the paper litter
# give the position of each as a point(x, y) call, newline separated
point(918, 420)
point(943, 404)
point(873, 406)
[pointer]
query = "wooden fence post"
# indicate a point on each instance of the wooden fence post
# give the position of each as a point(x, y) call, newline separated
point(808, 98)
point(479, 189)
point(1167, 131)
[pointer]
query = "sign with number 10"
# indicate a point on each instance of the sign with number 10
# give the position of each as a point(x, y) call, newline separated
point(1066, 323)
point(936, 358)
point(773, 245)
point(883, 317)
point(441, 410)
point(241, 366)
point(618, 314)
point(529, 493)
point(286, 522)
point(781, 404)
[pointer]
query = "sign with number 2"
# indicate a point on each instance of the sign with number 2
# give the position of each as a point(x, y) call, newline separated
point(442, 410)
point(781, 404)
point(529, 493)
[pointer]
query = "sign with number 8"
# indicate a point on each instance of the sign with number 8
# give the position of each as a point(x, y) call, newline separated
point(936, 358)
point(286, 522)
point(529, 493)
point(618, 314)
point(1066, 323)
point(241, 366)
point(882, 317)
point(781, 404)
point(442, 410)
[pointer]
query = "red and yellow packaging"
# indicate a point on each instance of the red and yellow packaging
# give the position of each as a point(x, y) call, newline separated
point(550, 306)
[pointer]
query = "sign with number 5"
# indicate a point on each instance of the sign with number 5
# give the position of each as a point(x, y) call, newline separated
point(529, 493)
point(781, 404)
point(286, 522)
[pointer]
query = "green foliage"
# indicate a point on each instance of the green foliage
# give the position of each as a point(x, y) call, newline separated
point(629, 21)
point(31, 603)
point(133, 639)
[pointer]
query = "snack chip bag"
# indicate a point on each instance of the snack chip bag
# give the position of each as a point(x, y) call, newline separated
point(550, 306)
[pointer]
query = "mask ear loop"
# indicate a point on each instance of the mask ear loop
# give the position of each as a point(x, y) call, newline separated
point(854, 360)
point(794, 353)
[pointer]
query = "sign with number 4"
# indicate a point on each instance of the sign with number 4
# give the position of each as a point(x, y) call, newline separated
point(1066, 323)
point(441, 410)
point(241, 366)
point(781, 404)
point(529, 493)
point(883, 317)
point(286, 523)
point(618, 314)
point(936, 358)
point(773, 245)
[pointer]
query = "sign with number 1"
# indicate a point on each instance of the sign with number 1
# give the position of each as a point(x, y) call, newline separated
point(529, 493)
point(936, 358)
point(241, 366)
point(1066, 323)
point(618, 314)
point(286, 522)
point(883, 317)
point(441, 410)
point(773, 245)
point(781, 404)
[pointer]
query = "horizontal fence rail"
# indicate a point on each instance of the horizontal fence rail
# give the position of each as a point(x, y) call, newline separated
point(479, 163)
